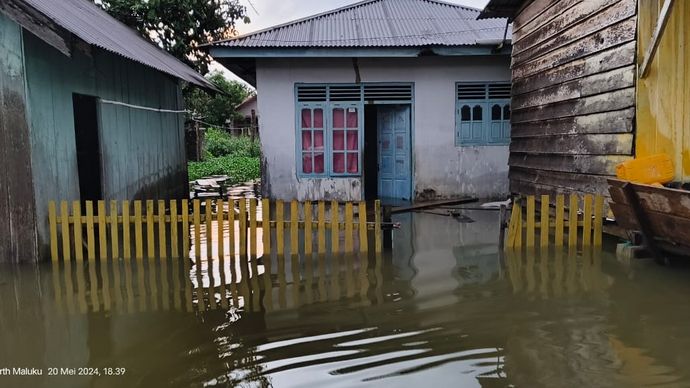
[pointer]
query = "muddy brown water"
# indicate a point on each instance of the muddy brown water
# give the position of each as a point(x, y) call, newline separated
point(442, 309)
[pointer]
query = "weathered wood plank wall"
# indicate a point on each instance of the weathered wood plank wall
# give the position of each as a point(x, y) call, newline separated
point(17, 233)
point(573, 94)
point(663, 96)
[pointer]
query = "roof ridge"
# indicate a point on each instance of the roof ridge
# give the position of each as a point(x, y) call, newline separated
point(328, 13)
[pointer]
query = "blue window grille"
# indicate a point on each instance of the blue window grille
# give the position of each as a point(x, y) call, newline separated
point(482, 114)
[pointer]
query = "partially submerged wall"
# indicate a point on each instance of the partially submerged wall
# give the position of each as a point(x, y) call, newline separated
point(142, 151)
point(17, 229)
point(573, 94)
point(440, 168)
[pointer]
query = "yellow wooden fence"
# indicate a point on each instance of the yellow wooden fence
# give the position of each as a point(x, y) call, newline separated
point(583, 225)
point(161, 229)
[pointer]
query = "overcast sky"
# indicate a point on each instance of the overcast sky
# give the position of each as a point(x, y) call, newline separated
point(267, 13)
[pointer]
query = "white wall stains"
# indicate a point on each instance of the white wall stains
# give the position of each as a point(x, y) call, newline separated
point(440, 168)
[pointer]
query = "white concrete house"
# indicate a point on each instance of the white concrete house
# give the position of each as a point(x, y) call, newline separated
point(399, 99)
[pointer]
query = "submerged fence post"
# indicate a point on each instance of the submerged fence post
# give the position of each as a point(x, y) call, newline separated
point(378, 238)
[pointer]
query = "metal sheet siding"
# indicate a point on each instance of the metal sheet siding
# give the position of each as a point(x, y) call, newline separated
point(94, 26)
point(380, 23)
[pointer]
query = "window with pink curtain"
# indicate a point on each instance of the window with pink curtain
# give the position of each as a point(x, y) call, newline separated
point(346, 140)
point(313, 161)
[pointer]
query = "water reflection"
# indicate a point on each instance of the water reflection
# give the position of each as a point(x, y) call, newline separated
point(445, 307)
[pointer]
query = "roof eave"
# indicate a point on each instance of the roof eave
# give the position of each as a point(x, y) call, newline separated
point(220, 51)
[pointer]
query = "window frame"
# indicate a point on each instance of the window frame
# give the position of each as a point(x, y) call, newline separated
point(487, 121)
point(299, 151)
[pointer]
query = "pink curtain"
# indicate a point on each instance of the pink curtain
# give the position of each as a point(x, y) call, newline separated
point(306, 118)
point(352, 141)
point(319, 163)
point(306, 141)
point(352, 118)
point(352, 163)
point(318, 140)
point(318, 118)
point(339, 163)
point(338, 118)
point(339, 140)
point(307, 166)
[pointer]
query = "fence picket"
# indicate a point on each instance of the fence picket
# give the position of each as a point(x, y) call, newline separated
point(138, 230)
point(52, 220)
point(280, 231)
point(208, 220)
point(185, 230)
point(150, 236)
point(348, 228)
point(252, 228)
point(126, 238)
point(560, 216)
point(377, 227)
point(162, 244)
point(174, 246)
point(545, 227)
point(243, 227)
point(308, 243)
point(196, 215)
point(294, 228)
point(90, 233)
point(598, 220)
point(530, 221)
point(335, 227)
point(587, 222)
point(114, 226)
point(220, 220)
point(78, 244)
point(231, 227)
point(363, 245)
point(64, 216)
point(572, 221)
point(266, 226)
point(321, 226)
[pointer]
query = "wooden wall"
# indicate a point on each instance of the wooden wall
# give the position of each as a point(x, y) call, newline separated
point(17, 232)
point(573, 94)
point(142, 151)
point(663, 96)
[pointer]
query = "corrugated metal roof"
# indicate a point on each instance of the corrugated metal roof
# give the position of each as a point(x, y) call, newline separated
point(501, 8)
point(380, 23)
point(94, 26)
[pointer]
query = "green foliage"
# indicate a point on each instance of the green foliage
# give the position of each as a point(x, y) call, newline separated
point(217, 108)
point(220, 143)
point(180, 26)
point(240, 169)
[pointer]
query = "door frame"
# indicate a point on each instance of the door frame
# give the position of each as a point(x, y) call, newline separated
point(412, 140)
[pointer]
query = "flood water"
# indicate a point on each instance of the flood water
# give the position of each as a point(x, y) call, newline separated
point(442, 309)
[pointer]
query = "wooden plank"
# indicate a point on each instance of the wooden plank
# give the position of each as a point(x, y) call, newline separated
point(562, 19)
point(162, 243)
point(90, 233)
point(580, 164)
point(378, 235)
point(266, 229)
point(280, 236)
point(196, 216)
point(432, 204)
point(114, 226)
point(362, 215)
point(518, 224)
point(614, 35)
point(512, 227)
point(348, 228)
point(587, 221)
point(567, 182)
point(619, 78)
point(604, 102)
point(599, 144)
point(560, 215)
point(529, 243)
point(618, 121)
point(294, 228)
point(185, 231)
point(208, 221)
point(536, 13)
point(656, 37)
point(665, 227)
point(138, 237)
point(544, 230)
point(52, 220)
point(64, 225)
point(572, 221)
point(231, 227)
point(150, 225)
point(243, 227)
point(598, 220)
point(252, 229)
point(657, 199)
point(321, 227)
point(102, 231)
point(598, 20)
point(78, 243)
point(308, 219)
point(126, 236)
point(608, 59)
point(174, 236)
point(335, 227)
point(220, 221)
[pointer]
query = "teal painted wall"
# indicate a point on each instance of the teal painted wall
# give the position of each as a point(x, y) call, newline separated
point(17, 231)
point(143, 154)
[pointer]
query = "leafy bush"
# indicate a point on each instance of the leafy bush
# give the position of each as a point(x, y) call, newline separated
point(220, 143)
point(240, 169)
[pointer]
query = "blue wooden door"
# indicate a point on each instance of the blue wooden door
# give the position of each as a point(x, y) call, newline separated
point(394, 152)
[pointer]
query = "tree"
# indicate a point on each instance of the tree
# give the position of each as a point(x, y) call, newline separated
point(217, 108)
point(180, 26)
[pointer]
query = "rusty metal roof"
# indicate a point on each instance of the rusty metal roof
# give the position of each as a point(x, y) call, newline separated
point(380, 23)
point(94, 26)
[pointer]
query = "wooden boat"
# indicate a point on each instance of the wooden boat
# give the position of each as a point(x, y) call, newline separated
point(659, 214)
